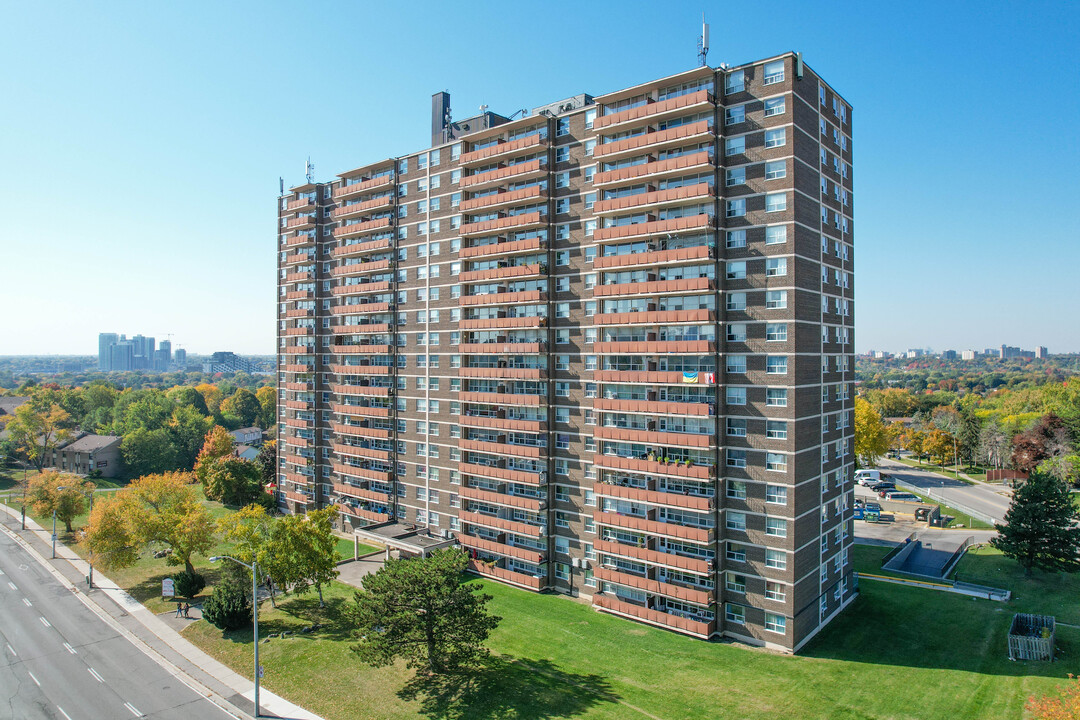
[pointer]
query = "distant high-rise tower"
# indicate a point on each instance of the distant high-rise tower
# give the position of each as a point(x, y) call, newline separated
point(181, 357)
point(105, 341)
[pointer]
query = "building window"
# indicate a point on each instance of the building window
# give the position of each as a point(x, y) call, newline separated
point(776, 461)
point(736, 270)
point(775, 267)
point(775, 234)
point(776, 332)
point(562, 415)
point(736, 239)
point(736, 332)
point(734, 146)
point(777, 527)
point(735, 521)
point(775, 202)
point(776, 299)
point(736, 176)
point(776, 397)
point(735, 115)
point(774, 72)
point(774, 106)
point(775, 623)
point(736, 301)
point(736, 363)
point(775, 138)
point(736, 208)
point(775, 559)
point(776, 365)
point(736, 489)
point(735, 552)
point(734, 82)
point(775, 169)
point(735, 395)
point(734, 613)
point(776, 494)
point(562, 128)
point(590, 117)
point(736, 458)
point(562, 389)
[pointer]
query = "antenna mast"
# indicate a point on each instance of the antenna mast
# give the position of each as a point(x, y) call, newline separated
point(703, 41)
point(309, 170)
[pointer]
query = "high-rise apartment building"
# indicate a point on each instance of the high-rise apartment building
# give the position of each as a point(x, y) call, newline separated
point(606, 346)
point(105, 343)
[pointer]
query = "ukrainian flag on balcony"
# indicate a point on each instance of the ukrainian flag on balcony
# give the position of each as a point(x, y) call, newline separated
point(689, 377)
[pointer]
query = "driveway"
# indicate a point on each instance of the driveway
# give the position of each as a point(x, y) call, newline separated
point(990, 500)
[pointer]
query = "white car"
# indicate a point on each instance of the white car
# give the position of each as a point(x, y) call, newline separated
point(865, 477)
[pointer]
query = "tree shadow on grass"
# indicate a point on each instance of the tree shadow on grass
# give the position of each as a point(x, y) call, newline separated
point(298, 612)
point(504, 687)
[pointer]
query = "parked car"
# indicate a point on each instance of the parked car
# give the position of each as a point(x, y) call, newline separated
point(873, 506)
point(882, 492)
point(900, 495)
point(865, 477)
point(882, 485)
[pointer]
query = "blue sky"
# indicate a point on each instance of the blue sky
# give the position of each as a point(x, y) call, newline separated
point(141, 145)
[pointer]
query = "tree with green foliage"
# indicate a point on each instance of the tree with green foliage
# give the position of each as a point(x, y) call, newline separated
point(1040, 529)
point(38, 427)
point(228, 607)
point(417, 609)
point(241, 409)
point(308, 543)
point(871, 435)
point(217, 444)
point(188, 428)
point(147, 452)
point(66, 495)
point(235, 481)
point(189, 396)
point(267, 397)
point(267, 461)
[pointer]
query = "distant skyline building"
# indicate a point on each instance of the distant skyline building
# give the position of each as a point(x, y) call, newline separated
point(968, 355)
point(118, 353)
point(181, 357)
point(105, 342)
point(227, 362)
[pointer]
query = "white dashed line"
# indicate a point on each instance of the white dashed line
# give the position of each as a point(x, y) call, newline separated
point(63, 713)
point(133, 709)
point(13, 586)
point(11, 650)
point(27, 603)
point(70, 649)
point(36, 681)
point(96, 676)
point(44, 621)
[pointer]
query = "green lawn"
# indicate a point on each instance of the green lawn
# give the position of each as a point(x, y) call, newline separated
point(345, 548)
point(1044, 593)
point(897, 653)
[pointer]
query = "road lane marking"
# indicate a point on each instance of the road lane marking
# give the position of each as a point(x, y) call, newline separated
point(36, 681)
point(70, 649)
point(44, 621)
point(11, 650)
point(63, 713)
point(27, 603)
point(95, 674)
point(13, 586)
point(133, 709)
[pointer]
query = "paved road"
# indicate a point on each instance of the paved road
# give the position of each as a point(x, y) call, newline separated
point(63, 662)
point(987, 499)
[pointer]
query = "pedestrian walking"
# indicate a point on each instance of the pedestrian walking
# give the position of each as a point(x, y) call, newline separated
point(179, 609)
point(187, 609)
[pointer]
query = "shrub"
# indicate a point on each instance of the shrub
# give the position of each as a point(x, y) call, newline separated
point(228, 608)
point(188, 584)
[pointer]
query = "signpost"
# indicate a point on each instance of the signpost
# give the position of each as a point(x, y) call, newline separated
point(167, 590)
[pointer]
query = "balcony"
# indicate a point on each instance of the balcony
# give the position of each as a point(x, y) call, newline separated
point(362, 329)
point(654, 527)
point(504, 149)
point(524, 221)
point(300, 205)
point(361, 228)
point(654, 407)
point(299, 404)
point(497, 548)
point(496, 473)
point(656, 169)
point(298, 368)
point(503, 323)
point(497, 423)
point(364, 186)
point(681, 135)
point(299, 294)
point(298, 350)
point(361, 248)
point(353, 451)
point(649, 437)
point(363, 473)
point(369, 515)
point(529, 582)
point(302, 222)
point(656, 198)
point(655, 227)
point(654, 111)
point(655, 317)
point(294, 441)
point(294, 258)
point(367, 369)
point(654, 467)
point(655, 287)
point(502, 348)
point(299, 277)
point(365, 390)
point(658, 347)
point(650, 377)
point(361, 431)
point(502, 448)
point(298, 479)
point(654, 257)
point(360, 493)
point(504, 499)
point(654, 617)
point(288, 332)
point(679, 592)
point(360, 288)
point(298, 423)
point(502, 273)
point(360, 411)
point(525, 297)
point(516, 247)
point(359, 349)
point(507, 373)
point(346, 211)
point(654, 497)
point(360, 308)
point(496, 523)
point(491, 398)
point(301, 239)
point(654, 557)
point(520, 171)
point(502, 198)
point(299, 312)
point(359, 268)
point(299, 498)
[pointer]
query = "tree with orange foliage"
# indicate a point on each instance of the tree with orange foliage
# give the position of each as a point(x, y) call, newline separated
point(218, 444)
point(1065, 706)
point(212, 396)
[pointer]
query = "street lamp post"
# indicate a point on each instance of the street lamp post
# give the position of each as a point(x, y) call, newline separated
point(253, 567)
point(59, 489)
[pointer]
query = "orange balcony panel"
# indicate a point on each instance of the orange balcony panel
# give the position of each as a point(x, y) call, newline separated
point(363, 227)
point(299, 312)
point(651, 467)
point(298, 386)
point(503, 373)
point(655, 227)
point(302, 239)
point(501, 323)
point(653, 556)
point(298, 405)
point(507, 576)
point(700, 597)
point(658, 197)
point(655, 257)
point(659, 317)
point(360, 349)
point(304, 221)
point(655, 348)
point(653, 407)
point(299, 498)
point(298, 479)
point(495, 448)
point(517, 246)
point(655, 617)
point(499, 348)
point(360, 308)
point(354, 451)
point(500, 549)
point(500, 398)
point(502, 423)
point(654, 497)
point(294, 258)
point(364, 473)
point(299, 277)
point(351, 491)
point(360, 411)
point(293, 441)
point(653, 109)
point(514, 271)
point(499, 524)
point(505, 223)
point(652, 377)
point(299, 350)
point(357, 431)
point(504, 173)
point(298, 331)
point(653, 527)
point(655, 287)
point(378, 203)
point(368, 515)
point(529, 142)
point(359, 268)
point(360, 288)
point(365, 390)
point(515, 298)
point(299, 204)
point(295, 459)
point(503, 198)
point(363, 186)
point(655, 168)
point(650, 139)
point(361, 370)
point(654, 438)
point(298, 368)
point(360, 248)
point(299, 294)
point(365, 329)
point(518, 476)
point(496, 498)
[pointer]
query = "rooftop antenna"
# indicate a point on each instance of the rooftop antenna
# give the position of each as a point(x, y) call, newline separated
point(309, 170)
point(703, 41)
point(483, 109)
point(281, 185)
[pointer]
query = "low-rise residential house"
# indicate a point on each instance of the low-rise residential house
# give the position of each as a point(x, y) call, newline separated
point(248, 436)
point(246, 452)
point(88, 452)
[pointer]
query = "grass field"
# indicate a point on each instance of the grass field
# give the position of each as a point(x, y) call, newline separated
point(1055, 594)
point(897, 653)
point(345, 549)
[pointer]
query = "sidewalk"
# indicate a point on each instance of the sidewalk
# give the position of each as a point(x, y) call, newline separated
point(154, 634)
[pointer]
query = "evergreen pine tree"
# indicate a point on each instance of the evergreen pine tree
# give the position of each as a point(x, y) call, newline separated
point(1040, 528)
